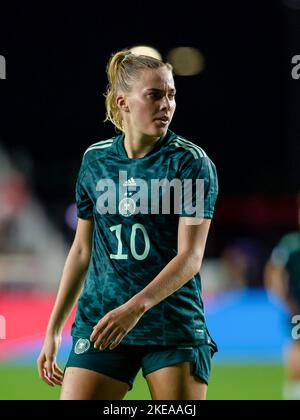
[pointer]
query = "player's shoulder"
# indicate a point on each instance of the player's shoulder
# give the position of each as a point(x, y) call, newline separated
point(97, 150)
point(186, 149)
point(191, 156)
point(287, 245)
point(291, 241)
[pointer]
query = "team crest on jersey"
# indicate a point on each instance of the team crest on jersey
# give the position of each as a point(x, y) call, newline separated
point(127, 207)
point(82, 345)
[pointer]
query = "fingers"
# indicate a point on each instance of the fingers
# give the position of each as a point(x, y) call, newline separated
point(58, 370)
point(54, 379)
point(49, 372)
point(108, 340)
point(49, 367)
point(57, 380)
point(40, 365)
point(43, 374)
point(46, 378)
point(116, 342)
point(110, 335)
point(101, 337)
point(58, 375)
point(96, 330)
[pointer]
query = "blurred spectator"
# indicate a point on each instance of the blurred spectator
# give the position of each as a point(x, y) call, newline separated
point(282, 277)
point(242, 262)
point(31, 250)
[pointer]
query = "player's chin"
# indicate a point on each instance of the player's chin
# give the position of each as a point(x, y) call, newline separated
point(159, 130)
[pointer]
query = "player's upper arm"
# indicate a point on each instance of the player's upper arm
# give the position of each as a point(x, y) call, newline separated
point(192, 235)
point(83, 237)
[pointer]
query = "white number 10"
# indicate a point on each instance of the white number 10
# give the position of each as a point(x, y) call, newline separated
point(119, 255)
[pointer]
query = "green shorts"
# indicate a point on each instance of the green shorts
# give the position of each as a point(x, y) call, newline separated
point(124, 362)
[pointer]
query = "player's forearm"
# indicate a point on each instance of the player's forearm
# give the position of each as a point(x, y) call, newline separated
point(174, 275)
point(73, 275)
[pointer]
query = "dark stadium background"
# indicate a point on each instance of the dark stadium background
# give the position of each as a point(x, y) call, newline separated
point(243, 109)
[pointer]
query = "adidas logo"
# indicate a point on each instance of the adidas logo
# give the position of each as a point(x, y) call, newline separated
point(129, 183)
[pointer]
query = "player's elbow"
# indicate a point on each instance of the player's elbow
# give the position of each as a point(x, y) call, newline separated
point(197, 263)
point(81, 254)
point(194, 261)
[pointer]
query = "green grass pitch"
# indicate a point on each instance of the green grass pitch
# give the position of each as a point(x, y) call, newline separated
point(228, 382)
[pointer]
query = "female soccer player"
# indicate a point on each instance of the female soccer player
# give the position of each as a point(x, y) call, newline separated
point(145, 200)
point(282, 276)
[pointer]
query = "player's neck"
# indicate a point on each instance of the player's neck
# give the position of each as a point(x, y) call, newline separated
point(138, 147)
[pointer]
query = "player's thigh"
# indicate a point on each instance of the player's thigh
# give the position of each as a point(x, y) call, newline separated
point(85, 384)
point(176, 382)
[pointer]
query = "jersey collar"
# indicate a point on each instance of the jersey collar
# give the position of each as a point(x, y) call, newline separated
point(158, 145)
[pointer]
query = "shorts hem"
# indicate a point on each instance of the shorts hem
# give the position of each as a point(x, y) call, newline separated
point(202, 378)
point(187, 359)
point(191, 360)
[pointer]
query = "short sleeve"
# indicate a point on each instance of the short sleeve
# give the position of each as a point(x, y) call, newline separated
point(83, 201)
point(199, 181)
point(282, 252)
point(280, 256)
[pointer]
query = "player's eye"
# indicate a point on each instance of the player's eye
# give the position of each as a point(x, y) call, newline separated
point(156, 95)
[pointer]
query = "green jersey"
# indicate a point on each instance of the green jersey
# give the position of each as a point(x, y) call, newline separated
point(136, 205)
point(287, 255)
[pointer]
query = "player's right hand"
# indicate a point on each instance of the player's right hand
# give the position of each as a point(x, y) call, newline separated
point(48, 370)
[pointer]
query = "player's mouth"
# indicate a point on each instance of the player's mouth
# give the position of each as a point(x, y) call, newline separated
point(163, 120)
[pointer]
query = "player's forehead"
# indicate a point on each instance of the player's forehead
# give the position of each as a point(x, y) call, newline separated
point(158, 79)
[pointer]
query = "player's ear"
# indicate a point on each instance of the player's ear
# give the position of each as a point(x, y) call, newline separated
point(122, 103)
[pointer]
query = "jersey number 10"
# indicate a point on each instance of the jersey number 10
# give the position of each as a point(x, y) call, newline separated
point(119, 255)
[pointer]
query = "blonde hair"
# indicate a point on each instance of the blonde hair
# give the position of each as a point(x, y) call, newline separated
point(122, 71)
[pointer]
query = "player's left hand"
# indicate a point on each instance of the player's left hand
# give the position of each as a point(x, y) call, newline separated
point(115, 325)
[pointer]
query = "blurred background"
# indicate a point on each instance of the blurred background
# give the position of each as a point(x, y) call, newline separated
point(236, 98)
